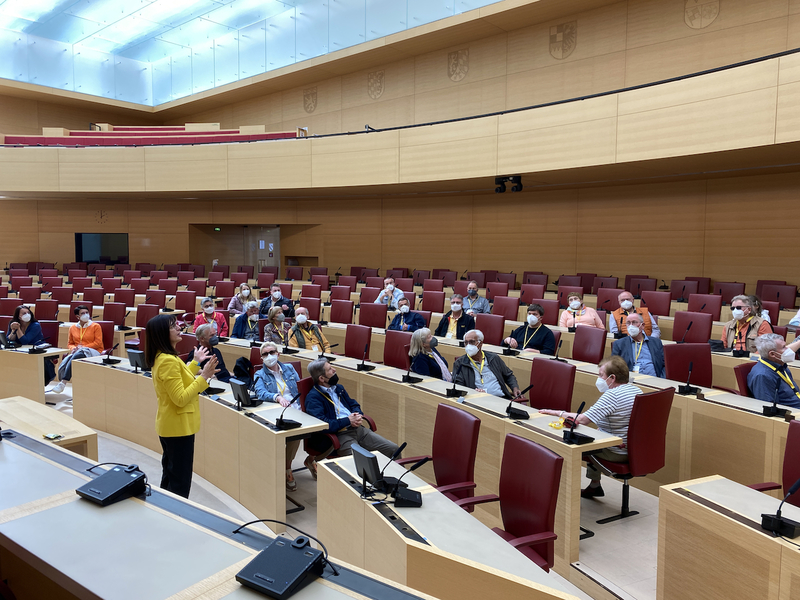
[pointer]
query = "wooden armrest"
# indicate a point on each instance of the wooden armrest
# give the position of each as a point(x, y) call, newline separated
point(532, 540)
point(765, 487)
point(370, 422)
point(412, 459)
point(456, 487)
point(465, 502)
point(334, 440)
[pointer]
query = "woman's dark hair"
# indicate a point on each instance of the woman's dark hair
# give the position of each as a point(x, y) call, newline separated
point(16, 319)
point(77, 310)
point(157, 337)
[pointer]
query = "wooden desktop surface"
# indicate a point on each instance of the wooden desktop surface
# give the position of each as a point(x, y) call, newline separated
point(23, 373)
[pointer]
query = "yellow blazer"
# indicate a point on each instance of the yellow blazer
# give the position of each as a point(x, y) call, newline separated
point(177, 391)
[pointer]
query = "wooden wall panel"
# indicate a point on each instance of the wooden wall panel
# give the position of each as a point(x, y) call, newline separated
point(398, 82)
point(56, 247)
point(279, 210)
point(29, 169)
point(357, 160)
point(102, 170)
point(174, 169)
point(268, 166)
point(227, 245)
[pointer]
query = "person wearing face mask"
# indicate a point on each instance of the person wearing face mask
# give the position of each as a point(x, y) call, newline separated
point(455, 323)
point(208, 339)
point(277, 330)
point(740, 333)
point(758, 309)
point(578, 314)
point(276, 298)
point(24, 329)
point(209, 316)
point(770, 379)
point(246, 325)
point(390, 294)
point(277, 382)
point(244, 295)
point(85, 339)
point(425, 358)
point(617, 321)
point(405, 320)
point(611, 413)
point(642, 353)
point(473, 303)
point(484, 371)
point(305, 334)
point(535, 336)
point(328, 401)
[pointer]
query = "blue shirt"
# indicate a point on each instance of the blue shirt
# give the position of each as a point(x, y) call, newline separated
point(397, 293)
point(763, 381)
point(32, 336)
point(476, 304)
point(413, 320)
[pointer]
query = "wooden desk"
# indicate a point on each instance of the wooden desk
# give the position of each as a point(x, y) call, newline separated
point(36, 420)
point(711, 545)
point(243, 457)
point(447, 552)
point(119, 337)
point(54, 544)
point(23, 373)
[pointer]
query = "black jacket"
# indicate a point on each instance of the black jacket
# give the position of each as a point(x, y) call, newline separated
point(464, 375)
point(422, 364)
point(465, 324)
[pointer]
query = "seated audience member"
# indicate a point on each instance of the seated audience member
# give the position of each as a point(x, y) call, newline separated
point(307, 335)
point(85, 339)
point(246, 325)
point(611, 413)
point(473, 303)
point(484, 371)
point(535, 336)
point(759, 310)
point(740, 333)
point(771, 378)
point(277, 330)
point(617, 321)
point(455, 322)
point(405, 320)
point(579, 314)
point(236, 305)
point(390, 294)
point(24, 329)
point(276, 298)
point(277, 382)
point(795, 320)
point(208, 339)
point(642, 353)
point(330, 402)
point(209, 316)
point(425, 358)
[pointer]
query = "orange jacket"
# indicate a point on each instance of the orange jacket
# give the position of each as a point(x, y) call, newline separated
point(92, 337)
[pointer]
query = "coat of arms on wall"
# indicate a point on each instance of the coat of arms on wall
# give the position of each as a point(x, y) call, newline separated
point(699, 14)
point(310, 100)
point(458, 64)
point(563, 39)
point(375, 84)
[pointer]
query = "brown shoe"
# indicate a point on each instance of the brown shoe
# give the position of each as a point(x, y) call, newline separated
point(593, 492)
point(311, 465)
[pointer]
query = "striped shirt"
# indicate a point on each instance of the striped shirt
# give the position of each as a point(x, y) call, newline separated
point(612, 412)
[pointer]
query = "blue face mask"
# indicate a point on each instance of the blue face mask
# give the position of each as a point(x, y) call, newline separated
point(213, 340)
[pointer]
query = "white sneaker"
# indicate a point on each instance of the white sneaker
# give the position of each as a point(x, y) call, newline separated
point(59, 387)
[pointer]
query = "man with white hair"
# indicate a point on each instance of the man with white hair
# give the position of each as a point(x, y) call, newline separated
point(246, 325)
point(307, 335)
point(484, 371)
point(770, 379)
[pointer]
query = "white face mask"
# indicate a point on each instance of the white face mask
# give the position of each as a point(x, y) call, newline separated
point(404, 308)
point(26, 318)
point(208, 309)
point(85, 317)
point(737, 313)
point(455, 307)
point(626, 304)
point(601, 385)
point(301, 319)
point(271, 360)
point(787, 355)
point(575, 304)
point(276, 295)
point(253, 317)
point(633, 330)
point(532, 320)
point(245, 293)
point(390, 287)
point(471, 349)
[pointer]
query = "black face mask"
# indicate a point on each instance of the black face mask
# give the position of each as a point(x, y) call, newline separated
point(213, 340)
point(433, 343)
point(333, 380)
point(473, 292)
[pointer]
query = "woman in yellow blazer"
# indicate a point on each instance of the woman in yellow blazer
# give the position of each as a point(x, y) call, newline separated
point(177, 389)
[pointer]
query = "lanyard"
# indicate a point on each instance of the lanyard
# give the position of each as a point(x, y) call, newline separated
point(641, 344)
point(254, 324)
point(527, 339)
point(327, 396)
point(471, 304)
point(783, 376)
point(474, 364)
point(83, 331)
point(279, 331)
point(280, 381)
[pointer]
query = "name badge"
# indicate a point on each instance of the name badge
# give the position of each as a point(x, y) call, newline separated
point(449, 336)
point(636, 368)
point(315, 348)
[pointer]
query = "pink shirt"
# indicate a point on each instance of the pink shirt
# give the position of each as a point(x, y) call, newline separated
point(584, 316)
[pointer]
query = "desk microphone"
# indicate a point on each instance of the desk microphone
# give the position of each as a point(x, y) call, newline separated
point(464, 276)
point(362, 366)
point(570, 437)
point(284, 424)
point(338, 274)
point(619, 335)
point(123, 327)
point(39, 348)
point(409, 378)
point(681, 298)
point(688, 327)
point(774, 411)
point(555, 356)
point(663, 285)
point(328, 358)
point(453, 392)
point(404, 496)
point(688, 389)
point(111, 361)
point(702, 307)
point(518, 413)
point(386, 484)
point(780, 525)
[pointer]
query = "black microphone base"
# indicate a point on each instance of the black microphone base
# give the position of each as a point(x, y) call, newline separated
point(285, 424)
point(36, 351)
point(123, 328)
point(572, 437)
point(741, 354)
point(461, 344)
point(781, 525)
point(363, 367)
point(774, 411)
point(405, 497)
point(111, 361)
point(411, 379)
point(681, 300)
point(288, 350)
point(387, 484)
point(326, 357)
point(517, 414)
point(510, 352)
point(572, 329)
point(454, 393)
point(165, 309)
point(619, 335)
point(687, 390)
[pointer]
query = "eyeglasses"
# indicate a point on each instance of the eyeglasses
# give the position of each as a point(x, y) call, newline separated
point(263, 354)
point(740, 307)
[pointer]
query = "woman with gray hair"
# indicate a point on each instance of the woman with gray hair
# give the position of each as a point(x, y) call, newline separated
point(210, 316)
point(246, 325)
point(277, 330)
point(425, 358)
point(740, 333)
